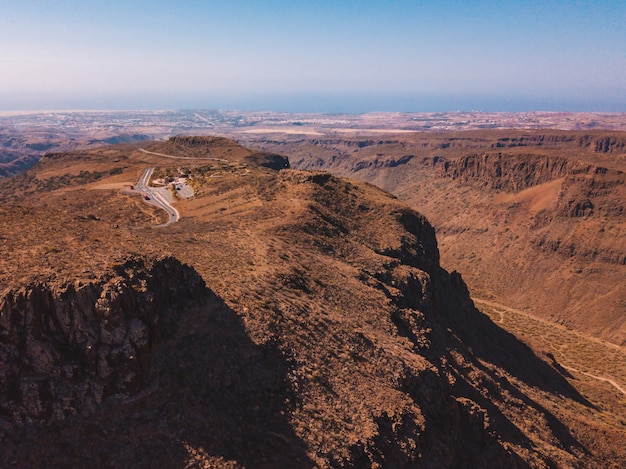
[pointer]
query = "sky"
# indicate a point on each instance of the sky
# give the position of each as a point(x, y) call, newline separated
point(314, 56)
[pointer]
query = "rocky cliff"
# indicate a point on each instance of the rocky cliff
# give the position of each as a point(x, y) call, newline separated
point(330, 337)
point(586, 189)
point(67, 349)
point(615, 144)
point(499, 171)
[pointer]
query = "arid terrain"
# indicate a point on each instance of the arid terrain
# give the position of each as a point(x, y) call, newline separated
point(296, 319)
point(533, 219)
point(26, 136)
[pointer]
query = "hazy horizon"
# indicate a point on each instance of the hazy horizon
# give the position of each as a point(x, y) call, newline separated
point(296, 56)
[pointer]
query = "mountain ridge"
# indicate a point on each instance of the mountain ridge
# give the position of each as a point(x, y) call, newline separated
point(542, 211)
point(330, 336)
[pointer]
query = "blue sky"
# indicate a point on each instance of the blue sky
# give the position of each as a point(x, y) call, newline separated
point(333, 56)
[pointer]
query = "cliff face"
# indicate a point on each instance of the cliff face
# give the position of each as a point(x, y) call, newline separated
point(614, 144)
point(331, 336)
point(605, 144)
point(507, 172)
point(597, 191)
point(66, 349)
point(586, 189)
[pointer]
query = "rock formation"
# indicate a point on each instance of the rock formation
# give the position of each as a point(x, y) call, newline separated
point(299, 320)
point(66, 349)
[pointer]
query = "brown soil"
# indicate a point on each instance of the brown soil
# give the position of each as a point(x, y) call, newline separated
point(327, 334)
point(533, 219)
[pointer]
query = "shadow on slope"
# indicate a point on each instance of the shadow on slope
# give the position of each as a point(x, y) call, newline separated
point(488, 345)
point(229, 395)
point(213, 396)
point(492, 343)
point(452, 309)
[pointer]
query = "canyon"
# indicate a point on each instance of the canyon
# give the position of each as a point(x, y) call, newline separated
point(532, 219)
point(288, 318)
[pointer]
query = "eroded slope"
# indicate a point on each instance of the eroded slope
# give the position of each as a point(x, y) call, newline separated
point(330, 336)
point(533, 219)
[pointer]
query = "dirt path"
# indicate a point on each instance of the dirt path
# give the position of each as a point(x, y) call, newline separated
point(221, 160)
point(599, 378)
point(502, 310)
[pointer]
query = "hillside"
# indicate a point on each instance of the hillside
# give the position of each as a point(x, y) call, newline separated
point(27, 136)
point(290, 318)
point(24, 140)
point(535, 219)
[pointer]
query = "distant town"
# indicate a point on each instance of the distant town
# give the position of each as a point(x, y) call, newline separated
point(157, 123)
point(26, 136)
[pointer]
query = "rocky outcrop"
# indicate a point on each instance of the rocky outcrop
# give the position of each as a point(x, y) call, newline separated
point(598, 191)
point(418, 248)
point(604, 144)
point(66, 349)
point(121, 138)
point(381, 162)
point(587, 189)
point(571, 248)
point(204, 141)
point(268, 160)
point(506, 172)
point(200, 147)
point(599, 142)
point(355, 143)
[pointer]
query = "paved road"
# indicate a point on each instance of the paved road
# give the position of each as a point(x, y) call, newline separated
point(156, 198)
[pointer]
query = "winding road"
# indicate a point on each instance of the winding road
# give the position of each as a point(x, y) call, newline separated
point(155, 198)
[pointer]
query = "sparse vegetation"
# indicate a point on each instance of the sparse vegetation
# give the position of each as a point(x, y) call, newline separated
point(529, 204)
point(569, 348)
point(329, 324)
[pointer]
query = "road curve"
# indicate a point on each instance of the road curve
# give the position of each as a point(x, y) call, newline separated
point(155, 198)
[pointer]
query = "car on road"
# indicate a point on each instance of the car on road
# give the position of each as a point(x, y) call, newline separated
point(146, 197)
